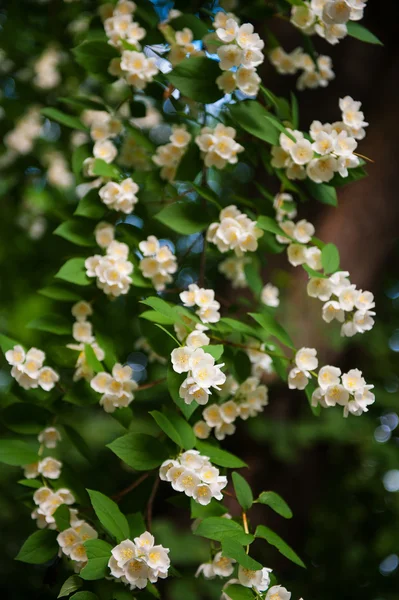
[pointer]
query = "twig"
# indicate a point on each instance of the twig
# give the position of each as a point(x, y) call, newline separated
point(146, 386)
point(151, 502)
point(236, 345)
point(117, 497)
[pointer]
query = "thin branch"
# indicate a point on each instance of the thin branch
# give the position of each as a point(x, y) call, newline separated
point(151, 502)
point(117, 497)
point(146, 386)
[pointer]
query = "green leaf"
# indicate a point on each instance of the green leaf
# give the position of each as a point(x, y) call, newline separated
point(58, 293)
point(243, 492)
point(140, 451)
point(104, 169)
point(219, 457)
point(238, 592)
point(184, 217)
point(77, 232)
point(52, 324)
point(330, 258)
point(92, 359)
point(31, 483)
point(166, 426)
point(156, 317)
point(83, 102)
point(267, 322)
point(79, 155)
point(109, 515)
point(294, 111)
point(95, 56)
point(25, 418)
point(232, 549)
point(62, 517)
point(213, 509)
point(72, 584)
point(98, 554)
point(39, 548)
point(198, 27)
point(136, 524)
point(91, 207)
point(190, 165)
point(78, 442)
point(322, 192)
point(7, 343)
point(215, 350)
point(17, 453)
point(253, 277)
point(250, 115)
point(219, 529)
point(208, 194)
point(162, 307)
point(195, 77)
point(276, 541)
point(74, 271)
point(279, 126)
point(84, 596)
point(69, 121)
point(174, 381)
point(269, 224)
point(359, 32)
point(275, 502)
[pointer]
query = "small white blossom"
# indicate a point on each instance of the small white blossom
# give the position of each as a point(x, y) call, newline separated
point(49, 437)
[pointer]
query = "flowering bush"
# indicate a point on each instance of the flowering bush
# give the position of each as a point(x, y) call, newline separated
point(167, 106)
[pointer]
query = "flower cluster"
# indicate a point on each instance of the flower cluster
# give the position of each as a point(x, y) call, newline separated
point(233, 268)
point(49, 467)
point(47, 502)
point(116, 389)
point(202, 372)
point(182, 46)
point(120, 27)
point(349, 390)
point(194, 475)
point(344, 303)
point(112, 270)
point(169, 155)
point(120, 196)
point(71, 540)
point(208, 307)
point(159, 262)
point(331, 150)
point(314, 73)
point(299, 251)
point(47, 75)
point(239, 55)
point(28, 128)
point(28, 370)
point(249, 399)
point(82, 332)
point(235, 231)
point(139, 562)
point(220, 566)
point(218, 146)
point(58, 173)
point(327, 18)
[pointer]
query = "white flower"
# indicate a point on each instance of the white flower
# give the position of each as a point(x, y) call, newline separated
point(181, 359)
point(363, 320)
point(15, 356)
point(336, 12)
point(277, 592)
point(306, 359)
point(365, 301)
point(234, 232)
point(296, 254)
point(323, 143)
point(201, 430)
point(321, 170)
point(302, 152)
point(336, 394)
point(50, 468)
point(270, 295)
point(313, 258)
point(321, 288)
point(49, 437)
point(140, 561)
point(332, 310)
point(348, 297)
point(353, 381)
point(222, 565)
point(82, 331)
point(230, 56)
point(328, 376)
point(212, 415)
point(297, 379)
point(81, 310)
point(303, 231)
point(260, 580)
point(105, 150)
point(247, 80)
